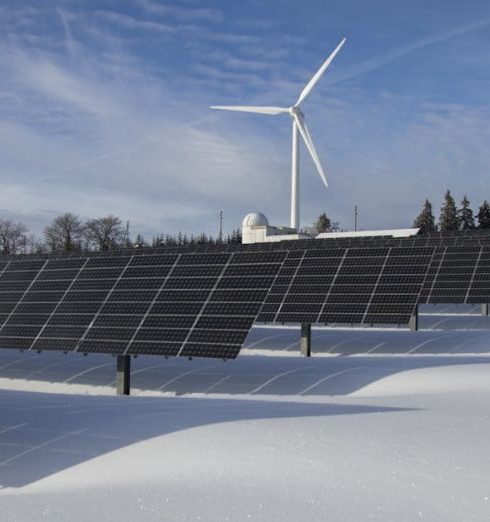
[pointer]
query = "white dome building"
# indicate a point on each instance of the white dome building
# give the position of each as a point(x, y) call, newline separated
point(256, 229)
point(255, 219)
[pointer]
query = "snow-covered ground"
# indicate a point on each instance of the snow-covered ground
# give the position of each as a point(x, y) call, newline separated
point(279, 438)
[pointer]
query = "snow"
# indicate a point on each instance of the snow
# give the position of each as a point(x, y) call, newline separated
point(267, 438)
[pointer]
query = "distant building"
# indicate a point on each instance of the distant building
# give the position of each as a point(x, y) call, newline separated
point(401, 232)
point(256, 229)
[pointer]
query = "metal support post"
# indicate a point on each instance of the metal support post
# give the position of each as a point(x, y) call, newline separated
point(305, 342)
point(414, 320)
point(484, 309)
point(123, 374)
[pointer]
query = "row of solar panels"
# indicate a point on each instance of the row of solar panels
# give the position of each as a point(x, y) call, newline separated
point(384, 290)
point(204, 304)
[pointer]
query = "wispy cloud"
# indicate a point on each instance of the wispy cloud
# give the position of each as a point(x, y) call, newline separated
point(138, 24)
point(120, 144)
point(395, 54)
point(179, 12)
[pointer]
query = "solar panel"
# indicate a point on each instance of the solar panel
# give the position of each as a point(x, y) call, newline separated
point(457, 276)
point(186, 304)
point(348, 286)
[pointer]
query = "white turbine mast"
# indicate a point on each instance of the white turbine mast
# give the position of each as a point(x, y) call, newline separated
point(299, 125)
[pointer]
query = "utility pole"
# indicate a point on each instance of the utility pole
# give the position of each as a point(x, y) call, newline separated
point(220, 235)
point(126, 235)
point(355, 218)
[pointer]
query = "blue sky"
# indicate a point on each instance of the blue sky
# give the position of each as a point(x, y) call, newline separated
point(104, 108)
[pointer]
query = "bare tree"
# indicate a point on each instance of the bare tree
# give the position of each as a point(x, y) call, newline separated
point(31, 244)
point(12, 236)
point(64, 233)
point(104, 233)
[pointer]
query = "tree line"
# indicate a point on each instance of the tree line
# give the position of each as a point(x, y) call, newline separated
point(70, 233)
point(451, 217)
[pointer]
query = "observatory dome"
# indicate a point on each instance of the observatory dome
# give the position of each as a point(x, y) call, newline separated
point(255, 219)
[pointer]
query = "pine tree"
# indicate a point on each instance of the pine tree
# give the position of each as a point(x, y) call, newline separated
point(425, 220)
point(158, 241)
point(484, 215)
point(465, 215)
point(323, 223)
point(235, 237)
point(167, 240)
point(449, 215)
point(139, 241)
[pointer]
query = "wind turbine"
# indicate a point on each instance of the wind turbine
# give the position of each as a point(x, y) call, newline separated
point(298, 125)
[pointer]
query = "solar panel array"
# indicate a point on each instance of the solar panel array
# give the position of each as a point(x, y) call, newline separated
point(184, 302)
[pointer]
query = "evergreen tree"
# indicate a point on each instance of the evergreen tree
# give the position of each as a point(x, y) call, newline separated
point(235, 237)
point(139, 241)
point(158, 241)
point(425, 220)
point(323, 223)
point(449, 214)
point(484, 215)
point(465, 215)
point(170, 240)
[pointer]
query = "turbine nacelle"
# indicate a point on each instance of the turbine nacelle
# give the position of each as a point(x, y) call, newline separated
point(295, 111)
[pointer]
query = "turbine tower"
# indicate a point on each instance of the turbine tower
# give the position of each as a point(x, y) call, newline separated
point(299, 127)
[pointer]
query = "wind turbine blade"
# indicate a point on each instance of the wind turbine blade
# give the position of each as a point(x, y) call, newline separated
point(305, 134)
point(258, 110)
point(309, 86)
